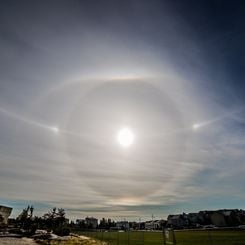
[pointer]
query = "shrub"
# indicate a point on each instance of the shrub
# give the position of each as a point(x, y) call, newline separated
point(61, 231)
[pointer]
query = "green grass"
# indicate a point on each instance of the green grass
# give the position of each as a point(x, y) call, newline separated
point(202, 237)
point(214, 237)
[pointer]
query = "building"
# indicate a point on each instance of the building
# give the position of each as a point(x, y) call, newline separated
point(4, 214)
point(154, 224)
point(122, 225)
point(177, 221)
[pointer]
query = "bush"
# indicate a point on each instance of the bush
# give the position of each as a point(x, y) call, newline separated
point(62, 231)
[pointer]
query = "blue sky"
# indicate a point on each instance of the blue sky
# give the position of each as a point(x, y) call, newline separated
point(74, 73)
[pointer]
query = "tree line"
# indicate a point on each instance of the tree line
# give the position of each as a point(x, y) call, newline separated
point(54, 220)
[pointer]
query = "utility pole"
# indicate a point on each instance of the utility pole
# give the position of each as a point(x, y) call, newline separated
point(152, 217)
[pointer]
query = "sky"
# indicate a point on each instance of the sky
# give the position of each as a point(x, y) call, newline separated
point(73, 74)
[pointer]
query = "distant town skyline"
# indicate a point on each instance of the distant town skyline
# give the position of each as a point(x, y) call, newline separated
point(122, 108)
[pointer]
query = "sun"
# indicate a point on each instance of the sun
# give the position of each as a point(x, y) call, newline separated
point(196, 126)
point(125, 137)
point(55, 129)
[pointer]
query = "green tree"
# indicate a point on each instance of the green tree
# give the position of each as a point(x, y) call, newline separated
point(55, 218)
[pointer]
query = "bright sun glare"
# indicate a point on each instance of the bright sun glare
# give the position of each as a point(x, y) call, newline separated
point(55, 129)
point(125, 137)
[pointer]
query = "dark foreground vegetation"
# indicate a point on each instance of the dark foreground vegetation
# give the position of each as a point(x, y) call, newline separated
point(26, 223)
point(50, 228)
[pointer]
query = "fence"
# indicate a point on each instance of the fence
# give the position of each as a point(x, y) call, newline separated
point(170, 237)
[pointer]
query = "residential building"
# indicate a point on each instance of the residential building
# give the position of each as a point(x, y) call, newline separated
point(122, 225)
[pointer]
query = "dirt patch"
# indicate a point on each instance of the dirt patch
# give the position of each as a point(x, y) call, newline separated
point(17, 241)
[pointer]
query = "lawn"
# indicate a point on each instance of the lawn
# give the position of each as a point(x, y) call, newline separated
point(201, 237)
point(214, 237)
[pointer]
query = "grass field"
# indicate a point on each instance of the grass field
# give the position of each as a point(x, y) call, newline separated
point(202, 237)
